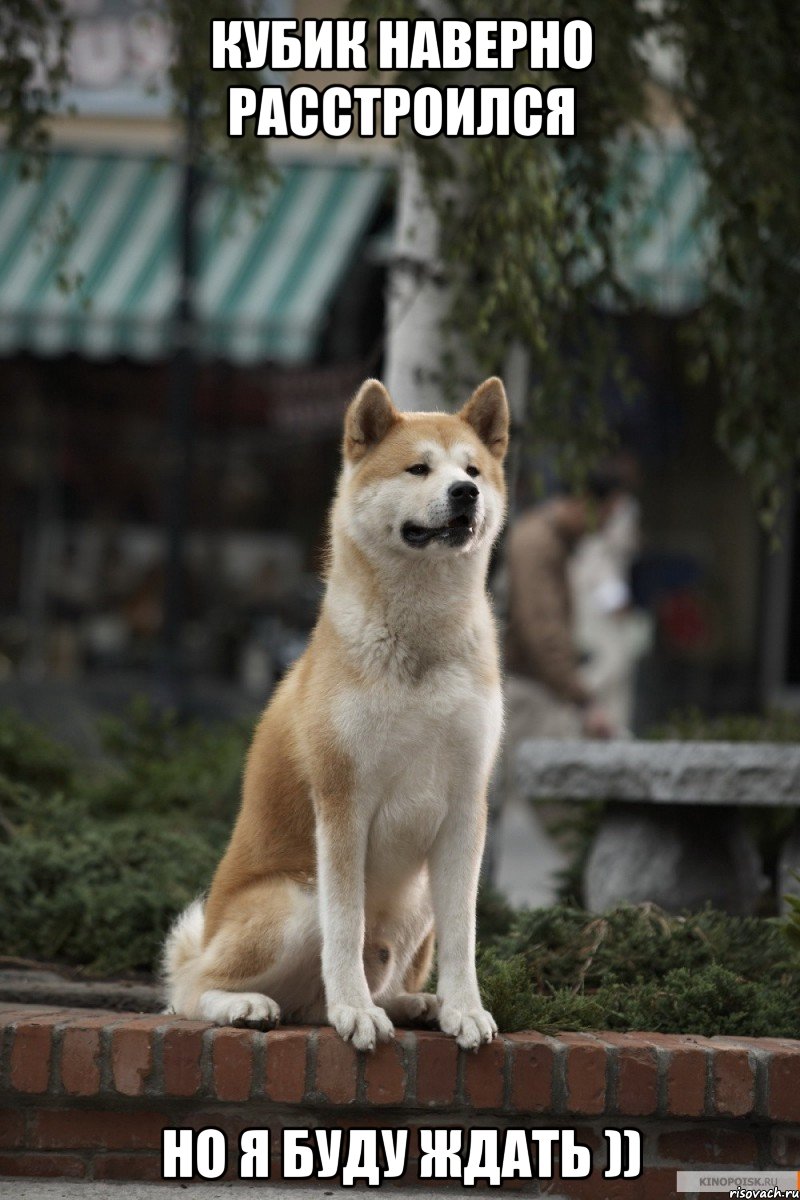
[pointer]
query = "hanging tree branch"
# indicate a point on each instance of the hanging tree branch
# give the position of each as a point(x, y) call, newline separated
point(529, 210)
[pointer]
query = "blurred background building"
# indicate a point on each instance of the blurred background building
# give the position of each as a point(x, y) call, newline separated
point(287, 315)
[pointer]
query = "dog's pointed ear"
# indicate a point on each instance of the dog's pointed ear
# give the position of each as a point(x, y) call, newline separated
point(369, 418)
point(487, 412)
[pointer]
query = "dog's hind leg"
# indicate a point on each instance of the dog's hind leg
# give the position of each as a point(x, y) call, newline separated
point(411, 1003)
point(261, 959)
point(251, 1009)
point(419, 968)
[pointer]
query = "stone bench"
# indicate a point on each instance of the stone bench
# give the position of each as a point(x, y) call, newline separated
point(672, 832)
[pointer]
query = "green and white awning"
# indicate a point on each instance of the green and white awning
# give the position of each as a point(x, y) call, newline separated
point(663, 245)
point(89, 251)
point(88, 258)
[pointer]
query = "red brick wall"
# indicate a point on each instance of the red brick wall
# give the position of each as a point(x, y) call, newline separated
point(87, 1094)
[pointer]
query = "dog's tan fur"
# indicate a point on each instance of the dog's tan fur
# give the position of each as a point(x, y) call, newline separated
point(347, 841)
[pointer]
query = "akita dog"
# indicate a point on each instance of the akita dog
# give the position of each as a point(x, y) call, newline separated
point(363, 814)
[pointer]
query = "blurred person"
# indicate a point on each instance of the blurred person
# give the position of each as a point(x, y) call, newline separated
point(611, 634)
point(547, 695)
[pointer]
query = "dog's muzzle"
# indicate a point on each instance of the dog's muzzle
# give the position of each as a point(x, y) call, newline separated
point(462, 498)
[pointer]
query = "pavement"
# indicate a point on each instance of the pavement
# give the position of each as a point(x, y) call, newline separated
point(27, 982)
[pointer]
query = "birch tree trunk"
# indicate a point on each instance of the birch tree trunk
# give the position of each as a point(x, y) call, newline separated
point(418, 298)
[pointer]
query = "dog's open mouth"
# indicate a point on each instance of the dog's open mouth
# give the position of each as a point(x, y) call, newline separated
point(456, 532)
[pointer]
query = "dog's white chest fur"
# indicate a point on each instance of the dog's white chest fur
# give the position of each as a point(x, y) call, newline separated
point(414, 748)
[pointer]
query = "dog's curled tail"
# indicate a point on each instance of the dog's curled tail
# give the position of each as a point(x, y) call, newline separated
point(182, 950)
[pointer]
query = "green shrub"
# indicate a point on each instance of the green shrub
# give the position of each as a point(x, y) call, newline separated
point(710, 1002)
point(100, 894)
point(95, 863)
point(567, 947)
point(792, 923)
point(160, 765)
point(30, 756)
point(691, 725)
point(637, 968)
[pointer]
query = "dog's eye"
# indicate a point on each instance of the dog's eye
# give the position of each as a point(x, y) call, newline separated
point(419, 469)
point(472, 471)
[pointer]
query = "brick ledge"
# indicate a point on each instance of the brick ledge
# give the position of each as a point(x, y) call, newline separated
point(86, 1093)
point(82, 1053)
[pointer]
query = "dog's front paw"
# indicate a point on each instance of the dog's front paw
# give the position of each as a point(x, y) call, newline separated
point(364, 1027)
point(469, 1026)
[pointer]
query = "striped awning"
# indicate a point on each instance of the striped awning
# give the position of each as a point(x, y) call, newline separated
point(663, 245)
point(89, 257)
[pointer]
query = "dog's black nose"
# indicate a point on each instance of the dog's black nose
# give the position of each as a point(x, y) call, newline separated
point(462, 494)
